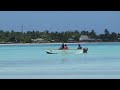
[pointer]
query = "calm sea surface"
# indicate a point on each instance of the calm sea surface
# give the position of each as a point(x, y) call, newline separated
point(31, 61)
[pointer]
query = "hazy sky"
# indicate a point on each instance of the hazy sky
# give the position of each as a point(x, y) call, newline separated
point(60, 20)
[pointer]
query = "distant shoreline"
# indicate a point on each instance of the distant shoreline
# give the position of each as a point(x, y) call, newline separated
point(57, 43)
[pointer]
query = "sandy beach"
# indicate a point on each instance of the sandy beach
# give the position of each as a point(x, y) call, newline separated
point(60, 43)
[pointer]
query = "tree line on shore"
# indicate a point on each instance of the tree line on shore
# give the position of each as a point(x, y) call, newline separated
point(26, 37)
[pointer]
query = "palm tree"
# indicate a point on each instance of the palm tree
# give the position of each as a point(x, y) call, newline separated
point(106, 31)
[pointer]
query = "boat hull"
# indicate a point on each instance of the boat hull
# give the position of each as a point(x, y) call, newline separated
point(71, 51)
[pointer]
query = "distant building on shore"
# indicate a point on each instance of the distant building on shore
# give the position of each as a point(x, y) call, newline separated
point(118, 39)
point(70, 40)
point(39, 40)
point(85, 38)
point(53, 40)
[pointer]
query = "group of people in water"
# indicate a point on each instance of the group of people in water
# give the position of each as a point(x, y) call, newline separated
point(65, 47)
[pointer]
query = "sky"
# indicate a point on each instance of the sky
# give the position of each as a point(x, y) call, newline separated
point(60, 21)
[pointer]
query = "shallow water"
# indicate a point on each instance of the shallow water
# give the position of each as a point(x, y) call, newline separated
point(31, 61)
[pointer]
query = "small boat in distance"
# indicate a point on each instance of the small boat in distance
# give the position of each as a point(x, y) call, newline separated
point(69, 51)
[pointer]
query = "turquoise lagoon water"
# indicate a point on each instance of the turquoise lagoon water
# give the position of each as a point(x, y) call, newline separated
point(32, 62)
